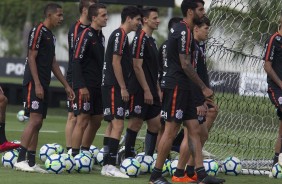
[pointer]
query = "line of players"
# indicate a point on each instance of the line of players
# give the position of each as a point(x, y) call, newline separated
point(105, 84)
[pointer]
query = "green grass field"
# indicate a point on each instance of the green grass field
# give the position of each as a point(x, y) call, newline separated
point(53, 131)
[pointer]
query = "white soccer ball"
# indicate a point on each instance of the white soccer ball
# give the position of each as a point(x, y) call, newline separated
point(166, 167)
point(211, 167)
point(21, 117)
point(100, 157)
point(70, 162)
point(88, 153)
point(83, 163)
point(232, 166)
point(141, 154)
point(155, 156)
point(10, 158)
point(277, 171)
point(47, 150)
point(173, 166)
point(60, 148)
point(146, 163)
point(94, 150)
point(130, 167)
point(55, 164)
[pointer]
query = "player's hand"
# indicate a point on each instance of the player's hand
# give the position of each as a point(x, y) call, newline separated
point(39, 92)
point(70, 93)
point(208, 93)
point(85, 94)
point(201, 110)
point(148, 97)
point(124, 95)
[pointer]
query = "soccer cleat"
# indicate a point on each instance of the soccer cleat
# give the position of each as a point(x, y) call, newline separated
point(114, 172)
point(8, 146)
point(23, 166)
point(184, 179)
point(212, 180)
point(160, 180)
point(38, 169)
point(280, 159)
point(104, 169)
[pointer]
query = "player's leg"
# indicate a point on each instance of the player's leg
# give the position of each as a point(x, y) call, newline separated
point(278, 147)
point(71, 120)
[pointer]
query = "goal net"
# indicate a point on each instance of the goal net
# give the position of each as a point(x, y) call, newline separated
point(246, 126)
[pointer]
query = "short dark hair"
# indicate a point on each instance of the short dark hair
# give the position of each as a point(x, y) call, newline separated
point(189, 4)
point(85, 4)
point(203, 21)
point(146, 11)
point(51, 8)
point(172, 21)
point(130, 11)
point(93, 10)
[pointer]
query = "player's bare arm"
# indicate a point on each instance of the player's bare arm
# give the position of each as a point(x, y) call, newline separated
point(271, 73)
point(32, 54)
point(139, 72)
point(119, 76)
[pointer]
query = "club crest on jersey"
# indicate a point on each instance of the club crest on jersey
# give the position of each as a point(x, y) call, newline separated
point(35, 105)
point(117, 34)
point(74, 106)
point(137, 109)
point(120, 111)
point(278, 38)
point(179, 114)
point(183, 33)
point(86, 106)
point(90, 34)
point(280, 100)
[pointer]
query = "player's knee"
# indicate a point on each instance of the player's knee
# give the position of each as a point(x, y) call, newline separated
point(279, 113)
point(3, 100)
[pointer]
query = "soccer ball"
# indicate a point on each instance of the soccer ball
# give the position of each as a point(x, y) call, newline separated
point(70, 152)
point(83, 163)
point(88, 153)
point(166, 167)
point(59, 148)
point(142, 154)
point(130, 167)
point(232, 166)
point(94, 150)
point(211, 167)
point(100, 157)
point(10, 158)
point(47, 150)
point(55, 164)
point(146, 163)
point(277, 171)
point(70, 162)
point(155, 156)
point(21, 117)
point(173, 166)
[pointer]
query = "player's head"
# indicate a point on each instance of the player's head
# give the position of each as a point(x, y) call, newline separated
point(84, 5)
point(54, 13)
point(97, 14)
point(151, 17)
point(173, 21)
point(201, 29)
point(193, 9)
point(132, 16)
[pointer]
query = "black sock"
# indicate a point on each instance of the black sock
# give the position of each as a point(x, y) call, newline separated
point(179, 172)
point(201, 173)
point(74, 152)
point(130, 140)
point(150, 142)
point(106, 150)
point(156, 173)
point(68, 148)
point(22, 154)
point(85, 148)
point(113, 149)
point(31, 158)
point(190, 170)
point(2, 133)
point(275, 159)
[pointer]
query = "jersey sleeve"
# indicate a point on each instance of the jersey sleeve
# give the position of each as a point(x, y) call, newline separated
point(184, 39)
point(119, 42)
point(35, 37)
point(269, 49)
point(138, 45)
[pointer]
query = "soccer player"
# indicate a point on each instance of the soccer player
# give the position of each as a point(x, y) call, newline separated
point(40, 62)
point(144, 88)
point(206, 110)
point(178, 100)
point(4, 144)
point(75, 29)
point(273, 68)
point(117, 68)
point(87, 76)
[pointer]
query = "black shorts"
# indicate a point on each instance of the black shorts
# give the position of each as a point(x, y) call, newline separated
point(113, 105)
point(32, 104)
point(138, 109)
point(178, 105)
point(275, 96)
point(93, 106)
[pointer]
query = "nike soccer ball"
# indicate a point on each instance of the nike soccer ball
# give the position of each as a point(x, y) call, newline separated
point(100, 157)
point(232, 166)
point(166, 167)
point(83, 163)
point(55, 164)
point(211, 167)
point(10, 158)
point(59, 148)
point(173, 166)
point(94, 150)
point(21, 117)
point(130, 167)
point(277, 171)
point(47, 150)
point(70, 162)
point(146, 163)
